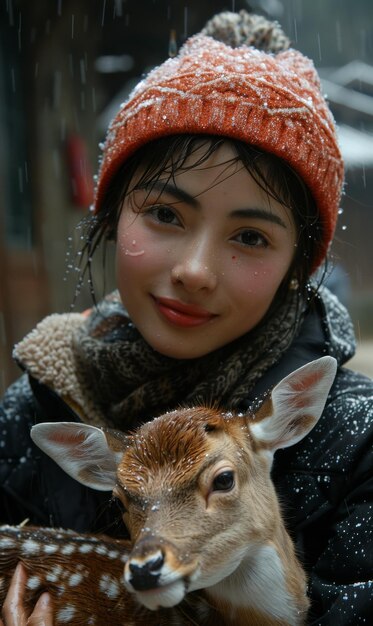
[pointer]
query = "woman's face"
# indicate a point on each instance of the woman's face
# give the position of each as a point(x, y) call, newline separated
point(200, 255)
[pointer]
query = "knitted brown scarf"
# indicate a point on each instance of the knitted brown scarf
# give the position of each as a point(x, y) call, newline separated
point(130, 382)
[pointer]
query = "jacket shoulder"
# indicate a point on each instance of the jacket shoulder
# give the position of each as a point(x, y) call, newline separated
point(17, 410)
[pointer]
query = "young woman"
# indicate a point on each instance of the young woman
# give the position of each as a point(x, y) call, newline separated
point(220, 184)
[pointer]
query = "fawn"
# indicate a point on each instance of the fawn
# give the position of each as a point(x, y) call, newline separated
point(208, 543)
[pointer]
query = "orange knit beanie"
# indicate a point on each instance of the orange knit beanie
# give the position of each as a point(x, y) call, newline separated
point(268, 98)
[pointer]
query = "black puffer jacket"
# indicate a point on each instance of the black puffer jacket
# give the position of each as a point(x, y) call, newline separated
point(325, 482)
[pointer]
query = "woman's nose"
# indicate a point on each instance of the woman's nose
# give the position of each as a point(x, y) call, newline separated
point(195, 270)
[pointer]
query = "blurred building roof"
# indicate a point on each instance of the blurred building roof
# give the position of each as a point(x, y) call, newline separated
point(356, 146)
point(349, 90)
point(356, 75)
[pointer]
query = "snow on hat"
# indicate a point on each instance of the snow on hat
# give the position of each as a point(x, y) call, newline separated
point(253, 88)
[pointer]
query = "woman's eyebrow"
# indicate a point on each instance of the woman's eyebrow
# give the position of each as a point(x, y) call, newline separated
point(261, 214)
point(172, 190)
point(184, 196)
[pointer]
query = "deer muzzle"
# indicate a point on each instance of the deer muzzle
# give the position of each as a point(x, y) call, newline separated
point(144, 574)
point(158, 573)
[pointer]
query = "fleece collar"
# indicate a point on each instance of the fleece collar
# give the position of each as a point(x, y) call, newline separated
point(46, 353)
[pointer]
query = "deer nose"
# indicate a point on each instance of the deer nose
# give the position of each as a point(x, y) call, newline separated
point(145, 574)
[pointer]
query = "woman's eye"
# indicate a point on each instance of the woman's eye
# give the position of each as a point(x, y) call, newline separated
point(163, 214)
point(252, 239)
point(223, 481)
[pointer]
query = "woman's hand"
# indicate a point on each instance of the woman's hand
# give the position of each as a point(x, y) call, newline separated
point(13, 612)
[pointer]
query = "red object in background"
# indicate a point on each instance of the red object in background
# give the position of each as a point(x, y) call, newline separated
point(80, 171)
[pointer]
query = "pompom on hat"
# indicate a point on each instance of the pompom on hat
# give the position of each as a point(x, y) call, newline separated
point(268, 97)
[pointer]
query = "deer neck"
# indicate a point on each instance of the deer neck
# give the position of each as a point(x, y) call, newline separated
point(258, 591)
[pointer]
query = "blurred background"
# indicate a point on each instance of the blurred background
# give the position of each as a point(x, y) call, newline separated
point(65, 67)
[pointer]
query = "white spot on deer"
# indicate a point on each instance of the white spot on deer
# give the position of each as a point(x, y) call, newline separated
point(109, 586)
point(101, 550)
point(69, 548)
point(85, 548)
point(55, 574)
point(113, 554)
point(75, 579)
point(50, 549)
point(66, 614)
point(33, 582)
point(30, 547)
point(7, 542)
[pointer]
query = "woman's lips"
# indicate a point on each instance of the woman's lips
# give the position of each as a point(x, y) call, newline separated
point(182, 314)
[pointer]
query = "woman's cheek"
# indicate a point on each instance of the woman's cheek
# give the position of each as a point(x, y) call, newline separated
point(130, 251)
point(130, 240)
point(137, 251)
point(132, 248)
point(260, 277)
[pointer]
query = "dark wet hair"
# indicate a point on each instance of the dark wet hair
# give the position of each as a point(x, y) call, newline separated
point(170, 154)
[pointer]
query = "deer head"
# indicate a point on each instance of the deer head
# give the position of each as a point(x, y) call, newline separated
point(199, 502)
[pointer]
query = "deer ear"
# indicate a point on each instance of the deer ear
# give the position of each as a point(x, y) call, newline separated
point(84, 452)
point(296, 404)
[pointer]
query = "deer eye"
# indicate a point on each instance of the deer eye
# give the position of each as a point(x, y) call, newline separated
point(223, 481)
point(209, 428)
